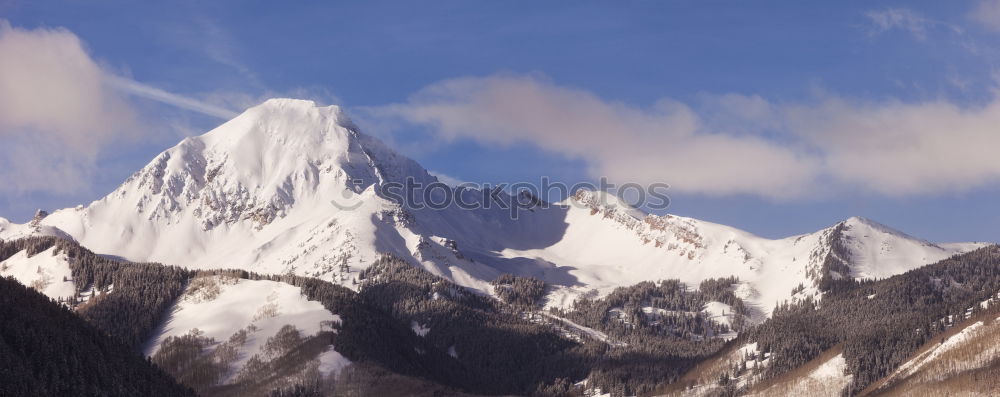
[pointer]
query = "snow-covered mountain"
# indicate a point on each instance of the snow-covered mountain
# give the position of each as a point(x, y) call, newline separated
point(290, 187)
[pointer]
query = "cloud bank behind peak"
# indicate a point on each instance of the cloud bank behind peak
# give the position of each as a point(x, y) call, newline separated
point(728, 144)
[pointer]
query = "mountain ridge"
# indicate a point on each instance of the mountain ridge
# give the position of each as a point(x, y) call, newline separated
point(255, 193)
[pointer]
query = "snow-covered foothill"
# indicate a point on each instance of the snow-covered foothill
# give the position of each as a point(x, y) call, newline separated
point(220, 307)
point(47, 272)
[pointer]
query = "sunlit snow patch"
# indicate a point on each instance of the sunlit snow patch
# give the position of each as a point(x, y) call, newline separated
point(220, 307)
point(46, 272)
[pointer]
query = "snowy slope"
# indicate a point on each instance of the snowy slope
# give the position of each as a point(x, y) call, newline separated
point(241, 316)
point(606, 246)
point(14, 231)
point(253, 193)
point(828, 378)
point(957, 363)
point(289, 186)
point(878, 251)
point(46, 272)
point(221, 307)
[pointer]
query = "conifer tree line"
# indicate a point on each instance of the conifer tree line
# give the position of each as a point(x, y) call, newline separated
point(46, 350)
point(835, 270)
point(879, 323)
point(143, 292)
point(665, 308)
point(519, 291)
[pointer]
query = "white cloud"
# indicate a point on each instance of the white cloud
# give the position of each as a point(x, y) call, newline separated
point(56, 113)
point(732, 144)
point(49, 83)
point(59, 110)
point(898, 148)
point(987, 14)
point(665, 143)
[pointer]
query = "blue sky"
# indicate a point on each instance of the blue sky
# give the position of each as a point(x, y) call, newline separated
point(813, 67)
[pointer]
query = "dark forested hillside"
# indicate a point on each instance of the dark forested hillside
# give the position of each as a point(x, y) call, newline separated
point(519, 291)
point(660, 328)
point(879, 323)
point(473, 343)
point(477, 344)
point(143, 291)
point(664, 308)
point(489, 346)
point(46, 350)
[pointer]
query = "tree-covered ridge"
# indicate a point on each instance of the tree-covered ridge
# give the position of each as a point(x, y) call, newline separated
point(880, 323)
point(143, 292)
point(520, 291)
point(46, 350)
point(490, 345)
point(474, 343)
point(667, 308)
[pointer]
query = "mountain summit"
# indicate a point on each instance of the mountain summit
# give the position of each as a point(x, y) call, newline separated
point(261, 193)
point(257, 166)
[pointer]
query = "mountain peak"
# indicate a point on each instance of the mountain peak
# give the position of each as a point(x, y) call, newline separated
point(281, 156)
point(865, 223)
point(860, 220)
point(283, 117)
point(298, 106)
point(290, 102)
point(856, 219)
point(257, 165)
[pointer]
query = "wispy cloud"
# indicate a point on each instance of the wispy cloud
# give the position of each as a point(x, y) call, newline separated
point(732, 144)
point(219, 45)
point(907, 20)
point(133, 87)
point(205, 37)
